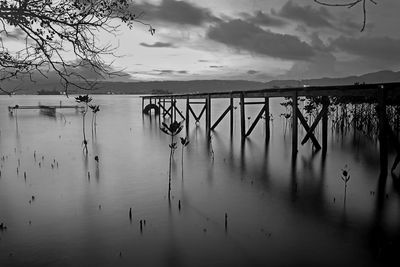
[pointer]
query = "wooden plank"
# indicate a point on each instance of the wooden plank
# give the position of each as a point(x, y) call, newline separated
point(307, 128)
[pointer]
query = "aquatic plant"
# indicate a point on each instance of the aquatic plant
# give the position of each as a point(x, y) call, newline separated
point(184, 143)
point(172, 130)
point(95, 109)
point(86, 100)
point(345, 176)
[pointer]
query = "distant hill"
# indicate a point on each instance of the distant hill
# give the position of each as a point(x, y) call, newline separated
point(200, 86)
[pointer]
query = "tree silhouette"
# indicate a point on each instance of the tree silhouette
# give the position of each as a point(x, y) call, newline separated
point(172, 130)
point(86, 100)
point(351, 4)
point(50, 30)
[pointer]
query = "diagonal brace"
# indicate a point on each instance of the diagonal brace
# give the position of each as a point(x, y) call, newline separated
point(315, 124)
point(256, 121)
point(221, 117)
point(305, 125)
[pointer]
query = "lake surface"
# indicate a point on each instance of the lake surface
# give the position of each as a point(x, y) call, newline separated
point(279, 212)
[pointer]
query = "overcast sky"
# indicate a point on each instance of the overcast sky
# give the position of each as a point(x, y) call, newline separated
point(259, 40)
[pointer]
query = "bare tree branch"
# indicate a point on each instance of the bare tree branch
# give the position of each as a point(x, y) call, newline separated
point(350, 5)
point(50, 29)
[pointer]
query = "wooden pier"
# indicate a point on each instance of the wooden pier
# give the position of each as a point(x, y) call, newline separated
point(382, 94)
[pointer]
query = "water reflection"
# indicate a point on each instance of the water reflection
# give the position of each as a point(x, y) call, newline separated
point(276, 204)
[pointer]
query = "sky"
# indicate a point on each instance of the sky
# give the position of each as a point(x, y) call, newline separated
point(257, 40)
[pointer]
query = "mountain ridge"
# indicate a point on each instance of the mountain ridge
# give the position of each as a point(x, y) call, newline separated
point(204, 86)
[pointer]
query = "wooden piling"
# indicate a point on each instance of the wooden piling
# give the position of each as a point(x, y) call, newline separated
point(267, 118)
point(383, 146)
point(187, 115)
point(208, 116)
point(325, 103)
point(231, 119)
point(242, 117)
point(294, 125)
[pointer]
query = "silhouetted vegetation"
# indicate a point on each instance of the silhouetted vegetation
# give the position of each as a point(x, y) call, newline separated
point(172, 130)
point(86, 100)
point(48, 29)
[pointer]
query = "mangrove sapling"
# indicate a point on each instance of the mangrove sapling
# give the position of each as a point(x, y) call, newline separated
point(86, 100)
point(172, 130)
point(345, 177)
point(184, 143)
point(95, 109)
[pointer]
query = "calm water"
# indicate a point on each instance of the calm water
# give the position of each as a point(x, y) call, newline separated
point(280, 213)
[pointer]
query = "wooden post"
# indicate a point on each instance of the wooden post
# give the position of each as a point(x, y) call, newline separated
point(159, 113)
point(294, 125)
point(208, 116)
point(142, 103)
point(231, 104)
point(383, 146)
point(172, 109)
point(325, 103)
point(187, 115)
point(242, 116)
point(267, 119)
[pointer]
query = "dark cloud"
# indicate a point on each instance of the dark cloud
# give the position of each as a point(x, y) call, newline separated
point(179, 12)
point(310, 16)
point(244, 35)
point(262, 19)
point(203, 60)
point(252, 72)
point(216, 67)
point(383, 49)
point(162, 72)
point(157, 45)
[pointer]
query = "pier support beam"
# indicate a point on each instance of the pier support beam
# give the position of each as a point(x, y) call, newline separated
point(383, 146)
point(208, 116)
point(242, 117)
point(294, 125)
point(325, 105)
point(267, 118)
point(231, 119)
point(187, 115)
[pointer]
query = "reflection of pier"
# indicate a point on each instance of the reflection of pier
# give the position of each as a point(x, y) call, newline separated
point(380, 94)
point(44, 108)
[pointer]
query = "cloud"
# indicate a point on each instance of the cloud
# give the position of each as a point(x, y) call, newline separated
point(310, 16)
point(216, 67)
point(262, 19)
point(244, 35)
point(179, 12)
point(164, 71)
point(252, 72)
point(157, 45)
point(383, 49)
